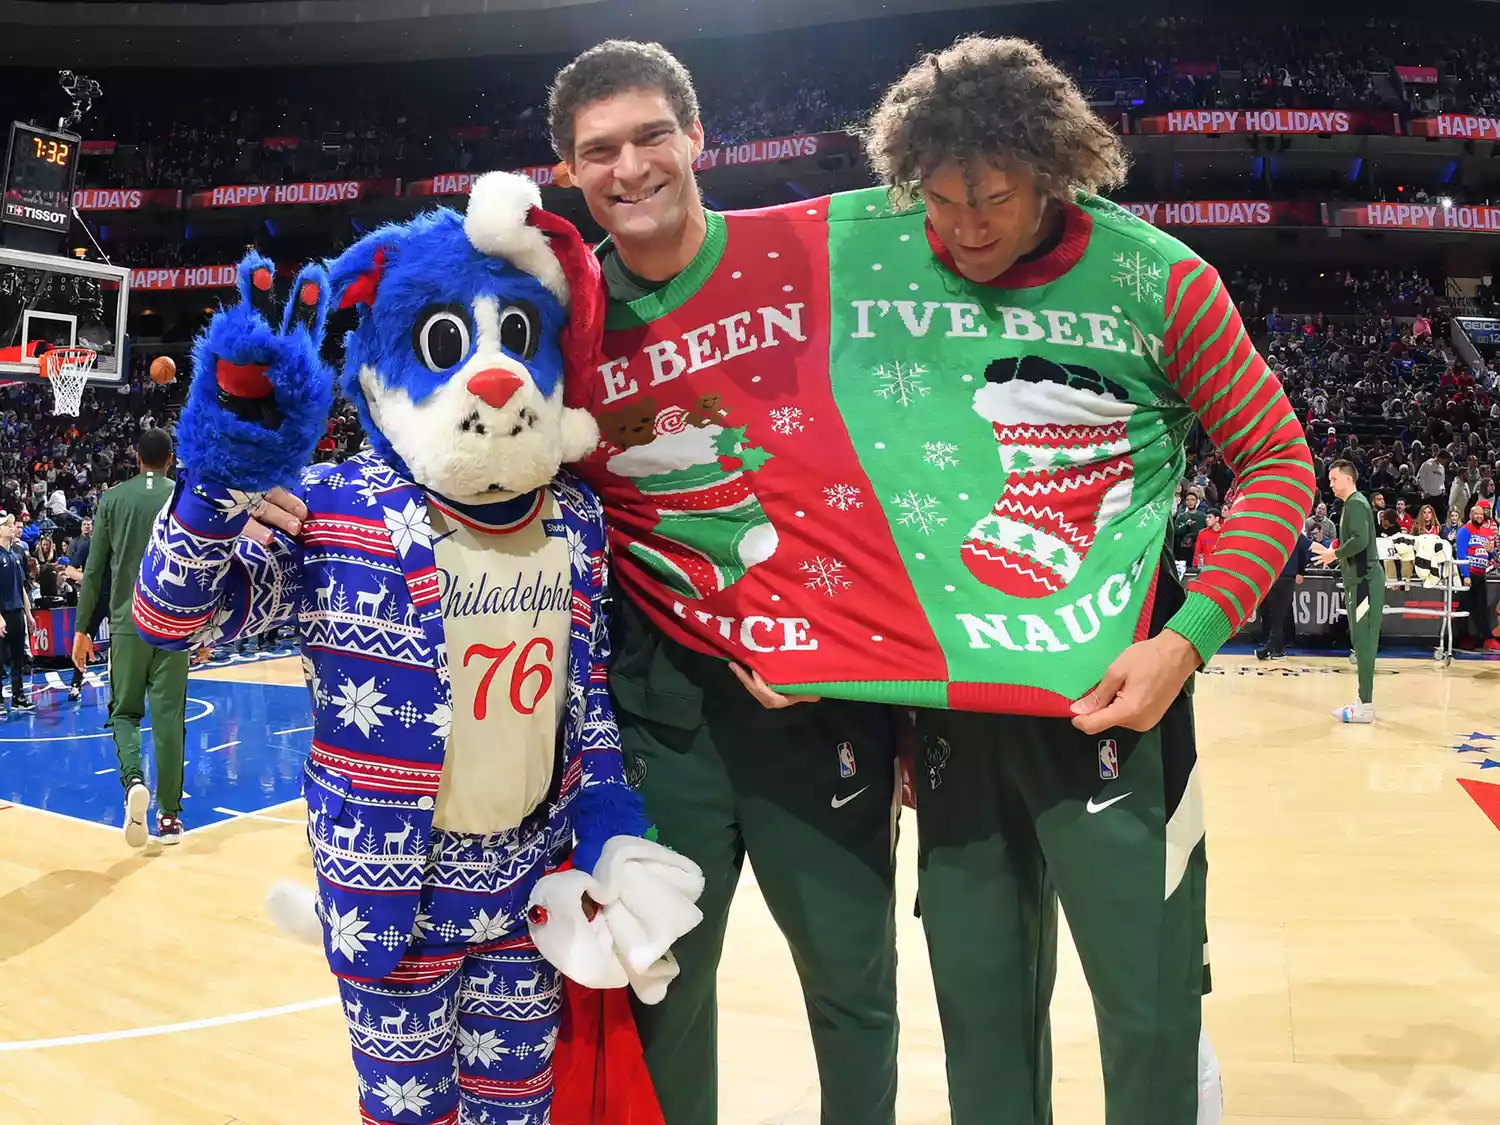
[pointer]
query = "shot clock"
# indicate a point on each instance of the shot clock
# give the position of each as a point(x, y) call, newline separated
point(39, 178)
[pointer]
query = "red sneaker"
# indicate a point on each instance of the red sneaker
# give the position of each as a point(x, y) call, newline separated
point(168, 829)
point(1492, 645)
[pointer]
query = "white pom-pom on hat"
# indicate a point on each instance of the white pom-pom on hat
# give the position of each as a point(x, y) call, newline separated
point(496, 225)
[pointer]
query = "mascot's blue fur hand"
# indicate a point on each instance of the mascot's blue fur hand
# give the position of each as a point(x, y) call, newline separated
point(260, 396)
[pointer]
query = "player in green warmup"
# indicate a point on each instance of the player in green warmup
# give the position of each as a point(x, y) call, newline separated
point(1364, 584)
point(122, 529)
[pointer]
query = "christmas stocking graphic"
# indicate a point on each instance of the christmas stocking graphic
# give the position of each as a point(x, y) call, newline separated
point(711, 529)
point(1066, 457)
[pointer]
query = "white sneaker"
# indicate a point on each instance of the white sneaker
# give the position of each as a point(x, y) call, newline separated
point(137, 801)
point(1356, 713)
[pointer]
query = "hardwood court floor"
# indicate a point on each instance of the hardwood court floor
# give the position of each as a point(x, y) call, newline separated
point(1355, 926)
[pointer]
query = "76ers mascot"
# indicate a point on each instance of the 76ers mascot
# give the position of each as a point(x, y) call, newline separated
point(471, 827)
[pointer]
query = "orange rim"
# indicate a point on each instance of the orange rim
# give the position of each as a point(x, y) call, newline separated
point(52, 361)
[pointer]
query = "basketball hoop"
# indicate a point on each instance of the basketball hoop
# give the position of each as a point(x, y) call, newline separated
point(67, 369)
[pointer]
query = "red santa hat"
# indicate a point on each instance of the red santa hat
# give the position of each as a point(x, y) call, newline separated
point(505, 219)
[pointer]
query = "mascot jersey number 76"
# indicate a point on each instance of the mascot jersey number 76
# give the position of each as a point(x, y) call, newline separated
point(471, 826)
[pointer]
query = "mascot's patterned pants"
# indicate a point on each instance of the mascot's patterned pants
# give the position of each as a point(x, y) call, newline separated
point(463, 1029)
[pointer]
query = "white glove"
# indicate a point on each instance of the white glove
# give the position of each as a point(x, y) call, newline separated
point(580, 948)
point(648, 894)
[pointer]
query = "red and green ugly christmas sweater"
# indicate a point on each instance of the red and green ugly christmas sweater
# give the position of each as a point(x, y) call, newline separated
point(829, 457)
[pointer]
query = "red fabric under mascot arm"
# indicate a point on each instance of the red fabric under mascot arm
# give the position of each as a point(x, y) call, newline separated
point(598, 1068)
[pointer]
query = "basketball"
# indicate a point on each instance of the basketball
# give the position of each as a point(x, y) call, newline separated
point(163, 370)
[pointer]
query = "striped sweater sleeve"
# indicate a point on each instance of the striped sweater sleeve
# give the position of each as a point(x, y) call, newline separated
point(1208, 357)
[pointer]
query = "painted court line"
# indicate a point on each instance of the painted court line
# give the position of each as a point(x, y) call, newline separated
point(233, 815)
point(290, 730)
point(165, 1029)
point(208, 710)
point(65, 816)
point(101, 773)
point(221, 746)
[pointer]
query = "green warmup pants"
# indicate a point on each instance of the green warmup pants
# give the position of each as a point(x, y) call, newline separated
point(809, 793)
point(1364, 602)
point(138, 671)
point(1014, 813)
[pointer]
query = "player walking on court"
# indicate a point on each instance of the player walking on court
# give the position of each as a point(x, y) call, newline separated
point(1364, 584)
point(1104, 813)
point(122, 530)
point(806, 791)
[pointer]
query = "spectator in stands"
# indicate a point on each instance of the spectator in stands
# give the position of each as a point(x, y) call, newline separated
point(1427, 522)
point(1320, 522)
point(1474, 547)
point(1203, 543)
point(1432, 479)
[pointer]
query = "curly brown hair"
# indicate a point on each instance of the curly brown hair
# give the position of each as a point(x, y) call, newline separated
point(992, 101)
point(615, 67)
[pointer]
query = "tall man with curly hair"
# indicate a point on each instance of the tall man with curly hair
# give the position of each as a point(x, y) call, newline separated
point(1100, 340)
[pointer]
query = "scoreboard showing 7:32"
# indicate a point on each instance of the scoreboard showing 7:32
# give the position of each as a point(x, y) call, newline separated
point(39, 175)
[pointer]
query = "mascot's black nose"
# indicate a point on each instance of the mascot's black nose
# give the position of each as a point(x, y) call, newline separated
point(494, 385)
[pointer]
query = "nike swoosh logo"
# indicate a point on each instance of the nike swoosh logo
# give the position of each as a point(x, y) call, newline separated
point(1102, 805)
point(840, 802)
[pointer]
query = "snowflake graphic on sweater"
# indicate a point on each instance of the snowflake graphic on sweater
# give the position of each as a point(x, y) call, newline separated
point(920, 512)
point(901, 382)
point(410, 1096)
point(825, 575)
point(361, 706)
point(940, 454)
point(843, 497)
point(1140, 276)
point(786, 420)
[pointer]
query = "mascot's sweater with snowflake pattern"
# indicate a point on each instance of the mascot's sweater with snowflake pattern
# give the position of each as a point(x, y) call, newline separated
point(828, 456)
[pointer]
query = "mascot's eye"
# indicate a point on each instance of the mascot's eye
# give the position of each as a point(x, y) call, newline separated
point(520, 330)
point(441, 337)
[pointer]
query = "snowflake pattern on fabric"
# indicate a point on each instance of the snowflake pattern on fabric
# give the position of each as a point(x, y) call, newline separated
point(843, 497)
point(940, 454)
point(825, 575)
point(408, 526)
point(786, 420)
point(441, 718)
point(361, 706)
point(901, 382)
point(410, 1096)
point(483, 1047)
point(346, 933)
point(919, 511)
point(1139, 276)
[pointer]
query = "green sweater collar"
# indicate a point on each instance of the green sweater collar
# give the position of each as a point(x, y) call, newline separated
point(643, 310)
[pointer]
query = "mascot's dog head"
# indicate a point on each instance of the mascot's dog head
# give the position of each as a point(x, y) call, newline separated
point(465, 330)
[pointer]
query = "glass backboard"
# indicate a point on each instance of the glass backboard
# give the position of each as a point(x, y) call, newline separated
point(49, 302)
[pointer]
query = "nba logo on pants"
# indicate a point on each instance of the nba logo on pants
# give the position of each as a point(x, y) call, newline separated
point(1109, 759)
point(846, 759)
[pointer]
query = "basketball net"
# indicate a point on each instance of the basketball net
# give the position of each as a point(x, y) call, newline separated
point(67, 370)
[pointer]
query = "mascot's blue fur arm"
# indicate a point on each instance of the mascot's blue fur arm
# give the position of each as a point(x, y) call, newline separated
point(220, 447)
